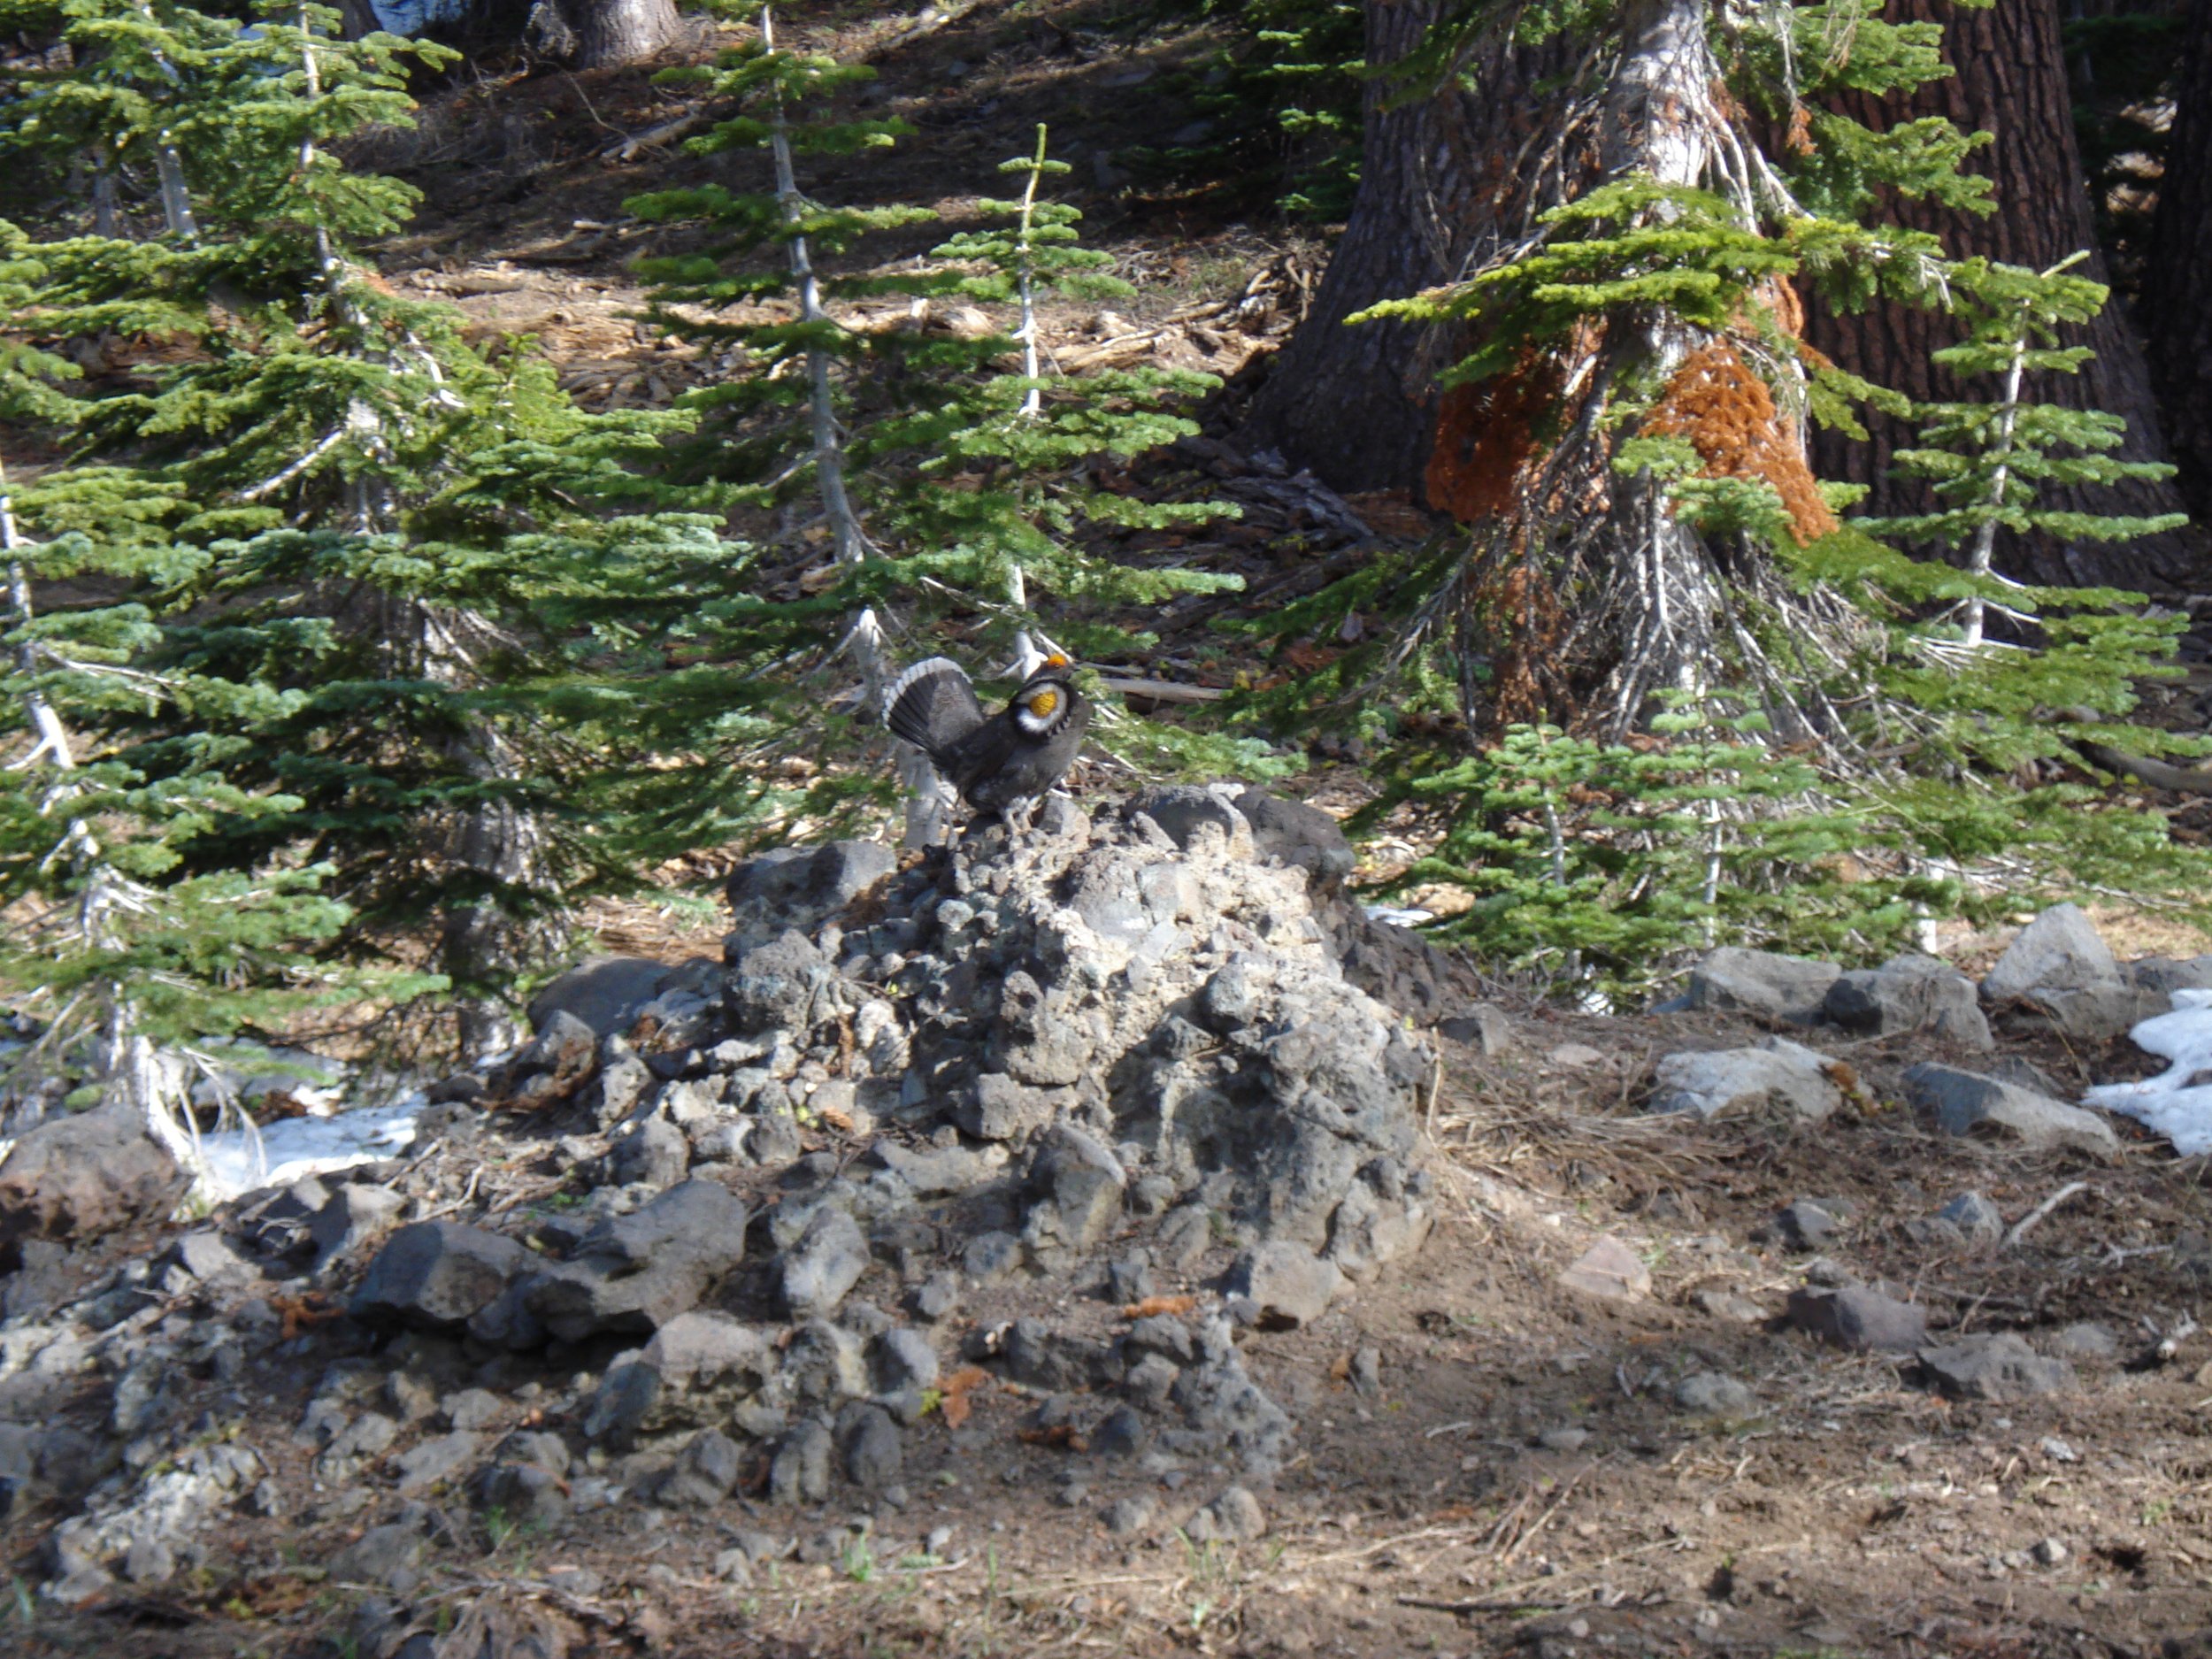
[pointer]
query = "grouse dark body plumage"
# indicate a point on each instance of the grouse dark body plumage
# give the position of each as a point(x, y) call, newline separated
point(995, 761)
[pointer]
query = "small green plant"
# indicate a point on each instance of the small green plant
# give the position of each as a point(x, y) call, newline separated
point(498, 1526)
point(858, 1560)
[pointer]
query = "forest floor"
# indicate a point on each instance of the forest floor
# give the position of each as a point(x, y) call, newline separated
point(1487, 1458)
point(1513, 1469)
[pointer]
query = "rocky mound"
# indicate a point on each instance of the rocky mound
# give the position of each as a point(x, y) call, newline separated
point(794, 1202)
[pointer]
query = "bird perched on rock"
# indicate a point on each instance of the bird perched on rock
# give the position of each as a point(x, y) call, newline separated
point(1001, 763)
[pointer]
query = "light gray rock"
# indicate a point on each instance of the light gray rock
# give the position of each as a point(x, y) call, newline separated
point(1608, 1269)
point(1709, 1394)
point(1733, 979)
point(655, 1153)
point(937, 1172)
point(1290, 1285)
point(1777, 1072)
point(1126, 1518)
point(825, 1262)
point(697, 1370)
point(902, 1359)
point(436, 1461)
point(991, 1257)
point(354, 1215)
point(1235, 1518)
point(383, 1556)
point(800, 1471)
point(2061, 949)
point(1975, 1217)
point(1078, 1185)
point(704, 1472)
point(1968, 1103)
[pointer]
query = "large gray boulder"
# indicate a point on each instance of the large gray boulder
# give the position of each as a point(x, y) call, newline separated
point(1968, 1103)
point(801, 887)
point(436, 1276)
point(636, 1272)
point(1909, 993)
point(80, 1177)
point(1736, 981)
point(1777, 1072)
point(605, 994)
point(2060, 949)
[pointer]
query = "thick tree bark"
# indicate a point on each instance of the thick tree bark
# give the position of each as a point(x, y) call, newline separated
point(2011, 81)
point(1357, 404)
point(612, 33)
point(2178, 283)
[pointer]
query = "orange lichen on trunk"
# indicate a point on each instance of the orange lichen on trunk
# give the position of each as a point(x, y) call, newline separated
point(1519, 612)
point(1485, 433)
point(1729, 417)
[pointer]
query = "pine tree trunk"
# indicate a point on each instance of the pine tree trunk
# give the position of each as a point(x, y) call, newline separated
point(2011, 81)
point(2177, 282)
point(612, 32)
point(1357, 404)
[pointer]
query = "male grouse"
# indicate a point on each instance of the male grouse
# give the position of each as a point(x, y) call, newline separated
point(998, 762)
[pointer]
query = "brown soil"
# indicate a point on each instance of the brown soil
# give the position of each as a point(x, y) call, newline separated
point(1851, 1512)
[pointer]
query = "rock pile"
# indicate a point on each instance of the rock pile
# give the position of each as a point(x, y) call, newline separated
point(817, 1176)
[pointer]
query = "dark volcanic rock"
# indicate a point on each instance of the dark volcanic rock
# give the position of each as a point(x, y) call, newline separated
point(435, 1275)
point(1858, 1317)
point(1733, 979)
point(1294, 833)
point(1997, 1366)
point(800, 888)
point(605, 995)
point(638, 1272)
point(1909, 993)
point(80, 1177)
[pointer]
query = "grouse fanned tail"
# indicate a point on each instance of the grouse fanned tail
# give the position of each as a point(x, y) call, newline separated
point(933, 706)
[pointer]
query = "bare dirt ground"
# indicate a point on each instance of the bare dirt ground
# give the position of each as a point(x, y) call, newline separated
point(1505, 1466)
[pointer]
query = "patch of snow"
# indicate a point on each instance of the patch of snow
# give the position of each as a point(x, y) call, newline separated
point(240, 1160)
point(1392, 918)
point(2170, 1104)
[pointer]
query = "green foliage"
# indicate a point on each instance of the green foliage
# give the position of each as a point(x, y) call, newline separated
point(1598, 866)
point(966, 465)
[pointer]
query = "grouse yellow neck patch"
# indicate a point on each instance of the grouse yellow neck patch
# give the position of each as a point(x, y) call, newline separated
point(1042, 703)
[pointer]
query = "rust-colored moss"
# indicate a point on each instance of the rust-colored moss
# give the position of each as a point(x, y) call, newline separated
point(1728, 415)
point(1486, 434)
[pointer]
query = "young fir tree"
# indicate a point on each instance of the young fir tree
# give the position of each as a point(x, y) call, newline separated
point(362, 629)
point(115, 949)
point(2000, 676)
point(926, 481)
point(993, 460)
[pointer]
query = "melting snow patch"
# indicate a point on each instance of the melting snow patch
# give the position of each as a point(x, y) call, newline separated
point(2168, 1103)
point(292, 1147)
point(1394, 917)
